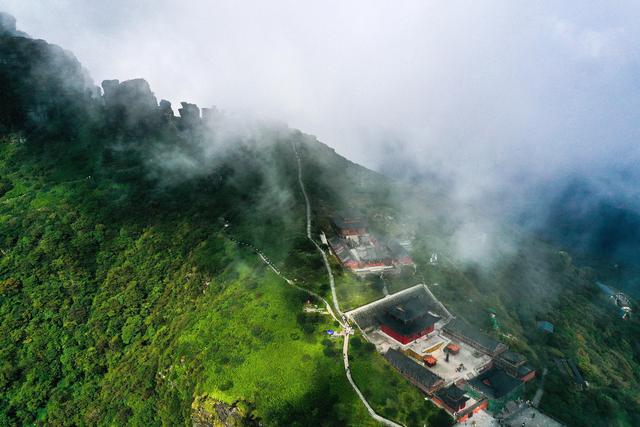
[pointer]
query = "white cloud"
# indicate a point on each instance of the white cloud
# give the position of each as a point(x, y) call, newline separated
point(605, 44)
point(489, 92)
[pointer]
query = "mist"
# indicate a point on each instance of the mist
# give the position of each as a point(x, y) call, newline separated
point(507, 103)
point(509, 134)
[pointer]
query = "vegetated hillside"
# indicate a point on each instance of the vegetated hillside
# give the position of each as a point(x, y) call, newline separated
point(126, 299)
point(127, 294)
point(487, 267)
point(604, 229)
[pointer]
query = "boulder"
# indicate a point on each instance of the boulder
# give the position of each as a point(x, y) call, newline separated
point(209, 412)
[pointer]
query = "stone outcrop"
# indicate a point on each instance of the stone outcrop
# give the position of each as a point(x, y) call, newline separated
point(40, 84)
point(8, 26)
point(134, 94)
point(130, 104)
point(109, 87)
point(209, 412)
point(166, 112)
point(190, 114)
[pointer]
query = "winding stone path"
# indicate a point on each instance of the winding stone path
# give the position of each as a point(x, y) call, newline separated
point(343, 322)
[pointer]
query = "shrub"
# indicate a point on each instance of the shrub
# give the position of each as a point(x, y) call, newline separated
point(226, 385)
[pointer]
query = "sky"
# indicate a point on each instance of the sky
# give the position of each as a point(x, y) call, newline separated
point(492, 93)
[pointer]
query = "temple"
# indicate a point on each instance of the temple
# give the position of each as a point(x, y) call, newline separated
point(421, 377)
point(407, 321)
point(362, 252)
point(452, 398)
point(350, 224)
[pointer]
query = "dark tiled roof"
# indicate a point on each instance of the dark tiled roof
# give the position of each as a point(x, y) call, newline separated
point(545, 326)
point(513, 358)
point(524, 370)
point(452, 396)
point(341, 250)
point(495, 383)
point(411, 369)
point(408, 310)
point(409, 327)
point(577, 376)
point(371, 317)
point(461, 328)
point(349, 219)
point(372, 253)
point(397, 251)
point(368, 254)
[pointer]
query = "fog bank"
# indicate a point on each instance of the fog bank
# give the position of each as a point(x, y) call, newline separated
point(508, 101)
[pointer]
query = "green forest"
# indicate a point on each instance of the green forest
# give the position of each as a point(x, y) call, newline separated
point(127, 299)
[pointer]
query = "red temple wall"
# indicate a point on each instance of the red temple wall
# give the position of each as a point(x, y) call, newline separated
point(352, 231)
point(403, 338)
point(481, 406)
point(531, 375)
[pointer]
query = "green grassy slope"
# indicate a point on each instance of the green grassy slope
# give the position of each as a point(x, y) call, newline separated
point(124, 299)
point(523, 279)
point(111, 318)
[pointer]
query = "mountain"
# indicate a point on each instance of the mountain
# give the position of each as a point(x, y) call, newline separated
point(135, 288)
point(602, 229)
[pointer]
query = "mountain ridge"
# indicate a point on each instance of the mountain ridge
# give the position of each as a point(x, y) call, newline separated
point(126, 298)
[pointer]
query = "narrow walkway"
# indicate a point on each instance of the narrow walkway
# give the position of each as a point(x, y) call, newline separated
point(441, 305)
point(332, 283)
point(344, 322)
point(540, 391)
point(385, 291)
point(290, 282)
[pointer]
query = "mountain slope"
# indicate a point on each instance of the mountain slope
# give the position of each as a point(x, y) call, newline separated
point(126, 298)
point(129, 293)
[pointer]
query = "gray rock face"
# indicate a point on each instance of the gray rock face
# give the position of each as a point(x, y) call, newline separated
point(7, 23)
point(190, 114)
point(8, 26)
point(138, 91)
point(209, 412)
point(109, 87)
point(130, 103)
point(39, 82)
point(165, 110)
point(134, 93)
